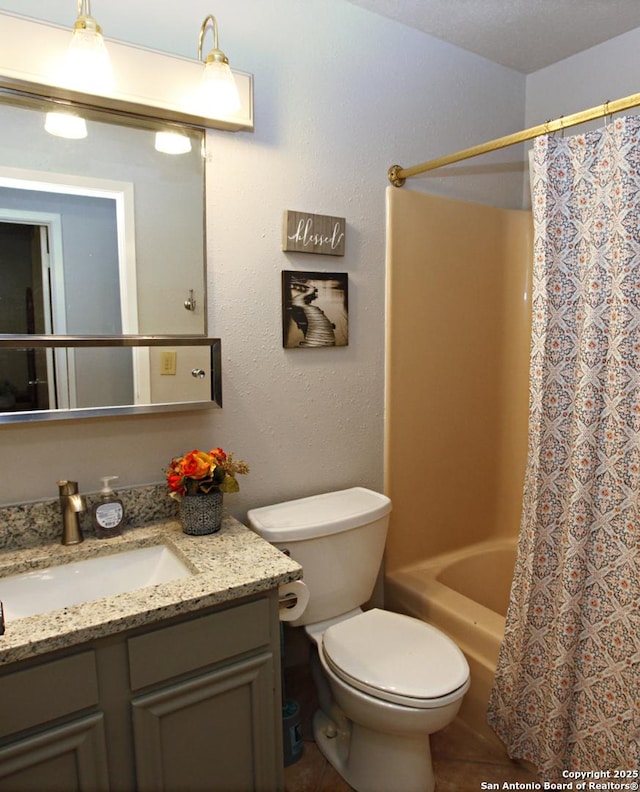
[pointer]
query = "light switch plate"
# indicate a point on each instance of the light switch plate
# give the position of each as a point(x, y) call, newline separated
point(168, 363)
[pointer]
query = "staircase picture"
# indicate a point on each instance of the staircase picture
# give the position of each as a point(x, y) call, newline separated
point(315, 310)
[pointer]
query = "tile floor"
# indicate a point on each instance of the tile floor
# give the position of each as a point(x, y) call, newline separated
point(462, 759)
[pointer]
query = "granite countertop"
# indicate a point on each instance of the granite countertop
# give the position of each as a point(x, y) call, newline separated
point(228, 565)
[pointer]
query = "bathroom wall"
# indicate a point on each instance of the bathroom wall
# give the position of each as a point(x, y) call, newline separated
point(602, 73)
point(458, 331)
point(340, 95)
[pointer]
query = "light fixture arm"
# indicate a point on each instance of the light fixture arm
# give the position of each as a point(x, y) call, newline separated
point(85, 21)
point(218, 89)
point(215, 55)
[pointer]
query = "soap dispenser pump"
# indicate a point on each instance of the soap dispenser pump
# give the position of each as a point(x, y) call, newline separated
point(107, 514)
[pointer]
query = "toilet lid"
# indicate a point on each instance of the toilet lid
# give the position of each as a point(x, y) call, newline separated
point(396, 658)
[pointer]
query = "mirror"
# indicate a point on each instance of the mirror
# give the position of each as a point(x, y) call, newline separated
point(102, 234)
point(54, 377)
point(102, 265)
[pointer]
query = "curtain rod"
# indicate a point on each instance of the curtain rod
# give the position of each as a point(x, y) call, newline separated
point(397, 175)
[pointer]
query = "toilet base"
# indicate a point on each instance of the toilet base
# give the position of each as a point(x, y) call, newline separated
point(371, 761)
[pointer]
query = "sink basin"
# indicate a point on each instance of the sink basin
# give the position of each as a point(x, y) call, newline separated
point(43, 590)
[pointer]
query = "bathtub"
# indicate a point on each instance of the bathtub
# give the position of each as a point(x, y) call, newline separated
point(465, 594)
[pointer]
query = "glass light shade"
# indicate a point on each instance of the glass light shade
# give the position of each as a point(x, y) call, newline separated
point(218, 90)
point(88, 65)
point(65, 125)
point(172, 143)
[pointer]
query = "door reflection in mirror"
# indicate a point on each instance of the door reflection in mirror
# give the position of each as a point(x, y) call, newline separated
point(41, 295)
point(62, 379)
point(70, 268)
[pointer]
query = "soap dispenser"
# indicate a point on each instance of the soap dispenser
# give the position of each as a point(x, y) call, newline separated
point(107, 514)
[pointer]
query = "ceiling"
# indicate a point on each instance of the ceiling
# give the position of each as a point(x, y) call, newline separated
point(525, 35)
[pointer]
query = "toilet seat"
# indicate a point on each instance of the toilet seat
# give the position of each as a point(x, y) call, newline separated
point(396, 658)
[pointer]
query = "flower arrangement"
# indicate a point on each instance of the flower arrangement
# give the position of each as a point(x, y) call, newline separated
point(204, 472)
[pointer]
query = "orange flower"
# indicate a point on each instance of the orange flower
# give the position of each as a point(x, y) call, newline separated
point(196, 465)
point(174, 480)
point(219, 455)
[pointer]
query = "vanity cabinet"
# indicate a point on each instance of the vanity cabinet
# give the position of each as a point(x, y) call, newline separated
point(200, 722)
point(51, 733)
point(194, 704)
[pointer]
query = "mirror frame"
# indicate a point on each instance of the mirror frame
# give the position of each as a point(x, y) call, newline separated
point(27, 341)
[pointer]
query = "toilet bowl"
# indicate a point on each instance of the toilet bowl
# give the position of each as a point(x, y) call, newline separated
point(385, 681)
point(393, 681)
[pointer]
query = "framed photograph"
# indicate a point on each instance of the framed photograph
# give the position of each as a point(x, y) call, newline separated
point(315, 309)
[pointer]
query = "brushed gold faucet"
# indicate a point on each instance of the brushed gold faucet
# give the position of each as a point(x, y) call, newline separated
point(71, 504)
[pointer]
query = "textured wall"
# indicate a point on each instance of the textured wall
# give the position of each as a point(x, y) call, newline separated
point(603, 73)
point(340, 95)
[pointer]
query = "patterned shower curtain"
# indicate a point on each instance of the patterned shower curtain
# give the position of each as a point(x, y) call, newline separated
point(567, 689)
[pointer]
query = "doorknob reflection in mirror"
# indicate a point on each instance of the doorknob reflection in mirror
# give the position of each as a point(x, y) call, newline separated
point(190, 303)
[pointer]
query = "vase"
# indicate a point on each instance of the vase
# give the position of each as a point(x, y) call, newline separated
point(201, 514)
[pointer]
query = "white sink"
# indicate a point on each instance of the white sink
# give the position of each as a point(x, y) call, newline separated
point(43, 590)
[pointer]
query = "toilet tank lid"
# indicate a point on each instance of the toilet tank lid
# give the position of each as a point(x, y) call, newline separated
point(319, 515)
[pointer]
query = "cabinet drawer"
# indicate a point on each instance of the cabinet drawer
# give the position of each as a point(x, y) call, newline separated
point(42, 693)
point(199, 642)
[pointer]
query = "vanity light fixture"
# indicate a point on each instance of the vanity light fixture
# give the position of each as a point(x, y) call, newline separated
point(87, 66)
point(172, 143)
point(218, 89)
point(65, 125)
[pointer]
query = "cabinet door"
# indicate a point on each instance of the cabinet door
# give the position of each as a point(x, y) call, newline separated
point(213, 732)
point(62, 759)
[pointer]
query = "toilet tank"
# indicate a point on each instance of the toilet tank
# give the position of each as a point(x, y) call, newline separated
point(338, 538)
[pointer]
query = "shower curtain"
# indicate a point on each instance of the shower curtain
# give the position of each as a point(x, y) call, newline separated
point(566, 695)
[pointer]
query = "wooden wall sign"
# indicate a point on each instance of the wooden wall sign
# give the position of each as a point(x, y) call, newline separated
point(313, 233)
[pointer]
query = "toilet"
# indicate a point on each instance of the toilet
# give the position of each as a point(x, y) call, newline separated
point(385, 681)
